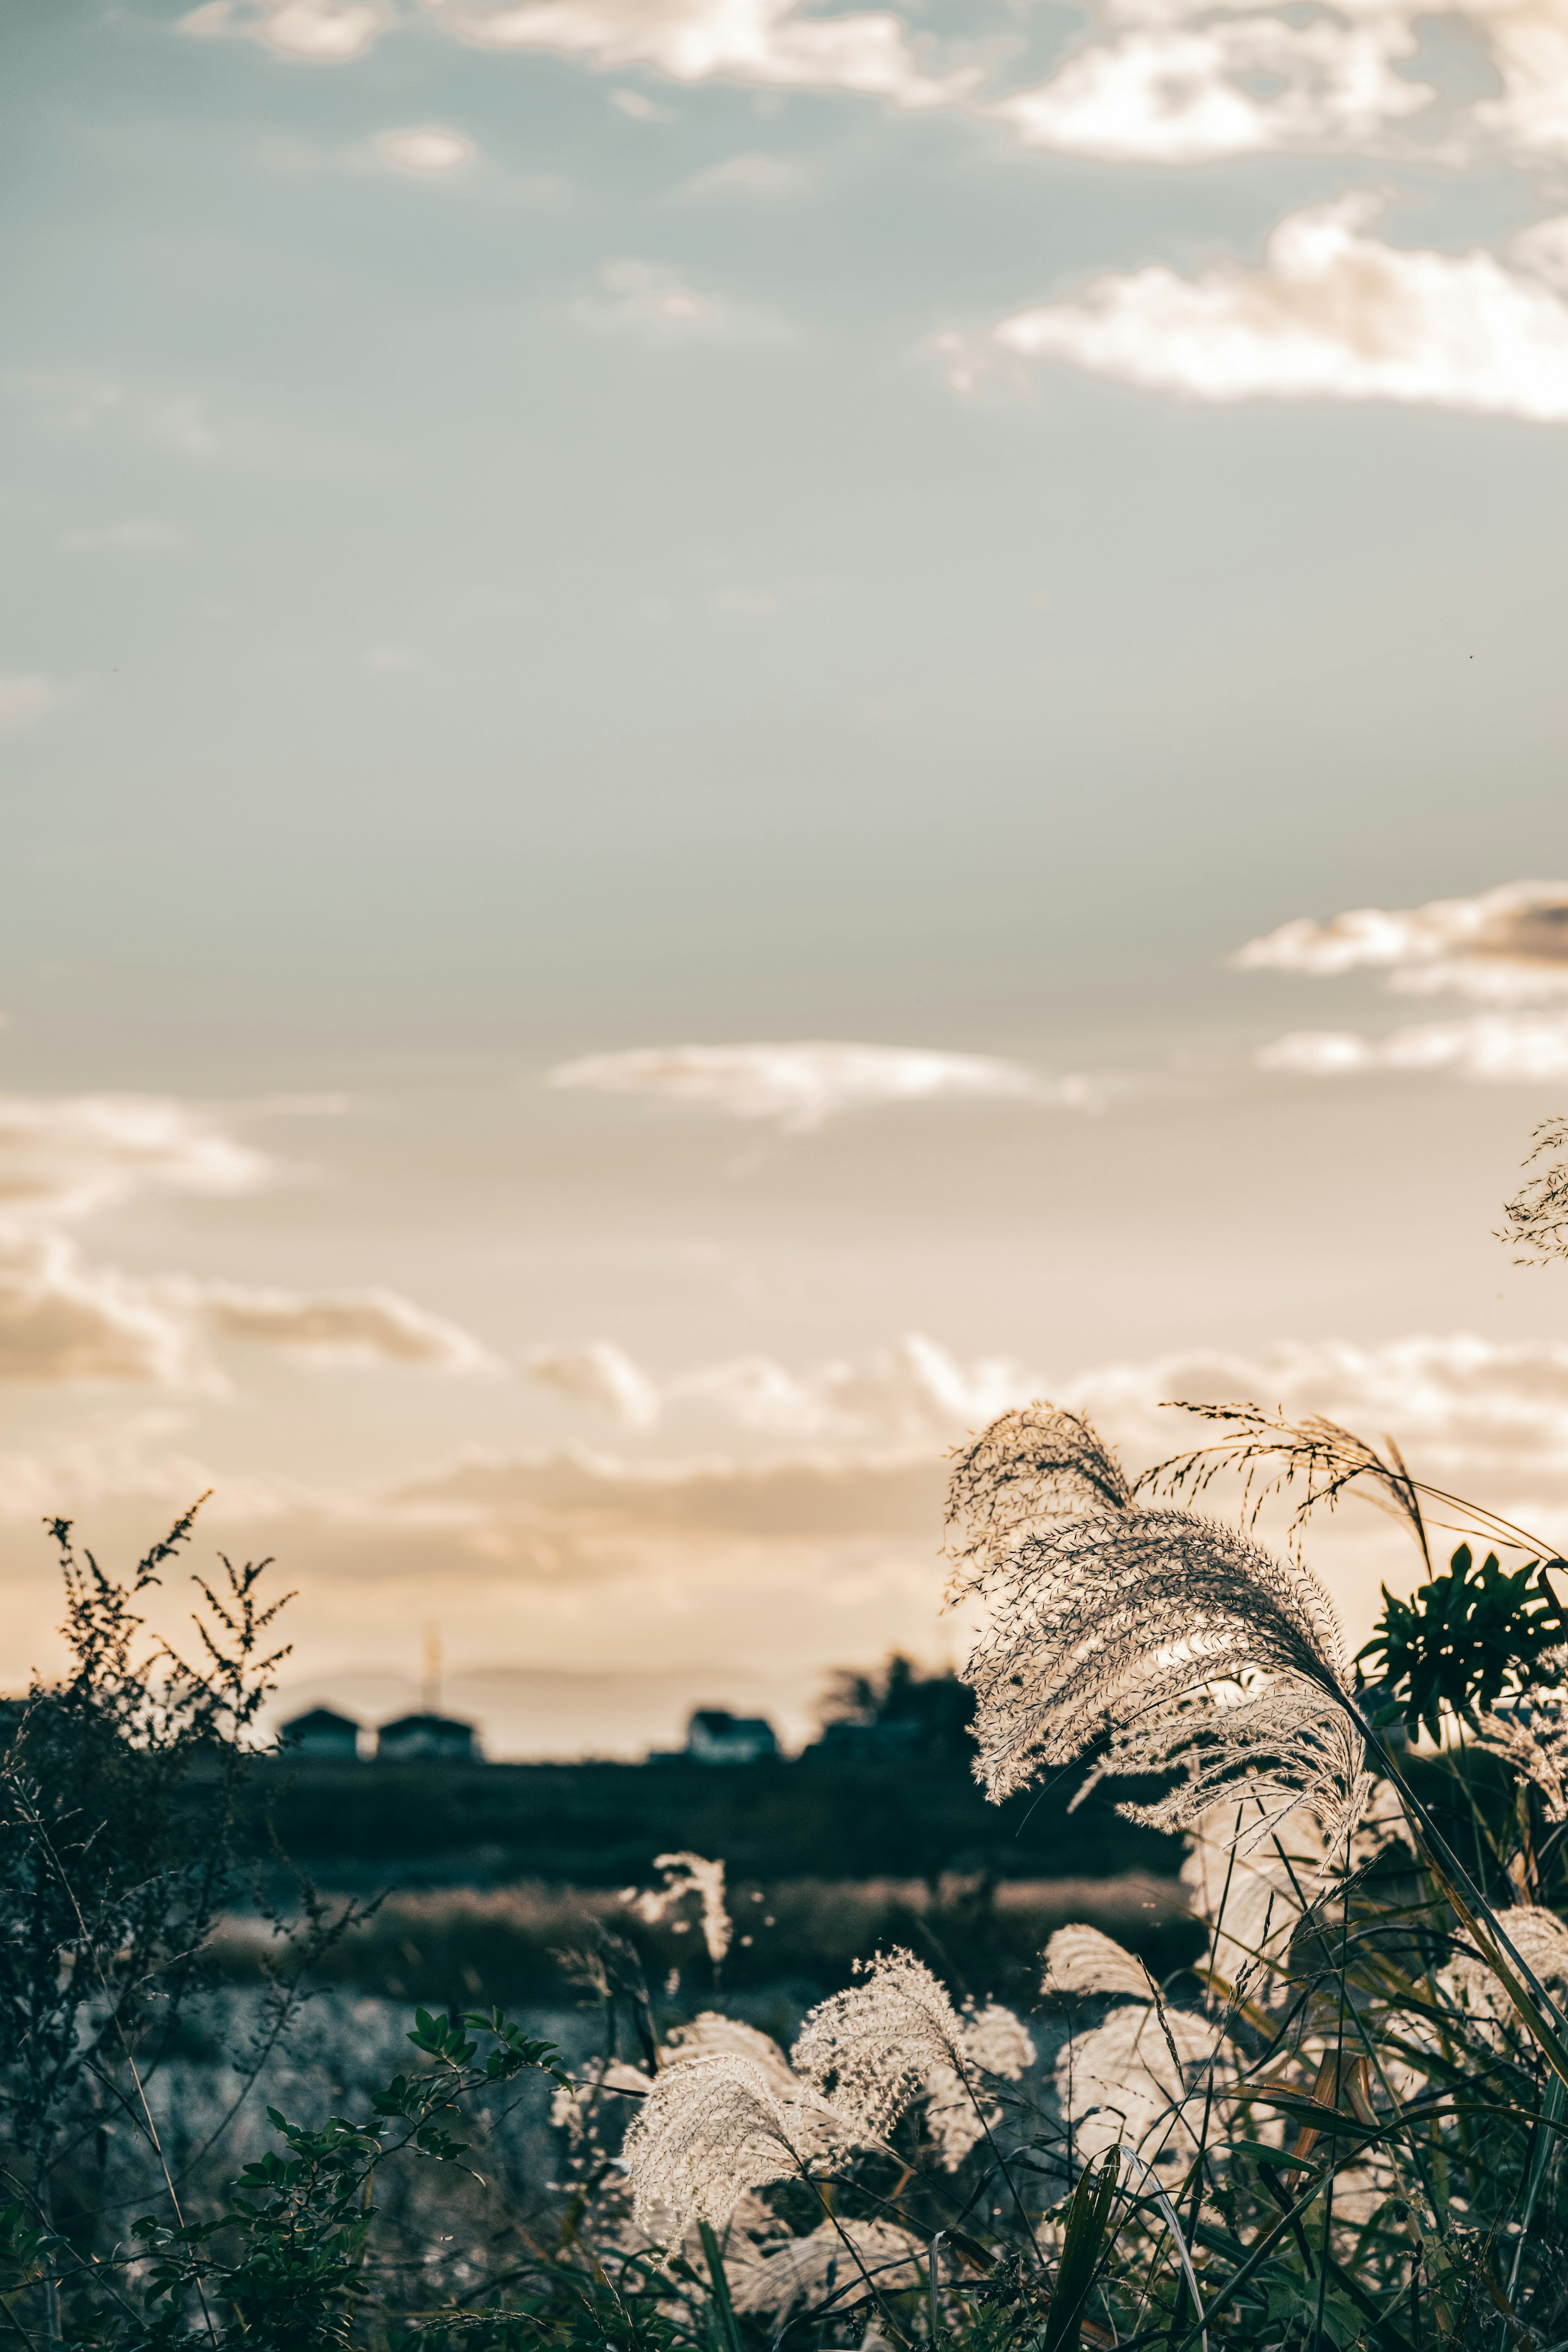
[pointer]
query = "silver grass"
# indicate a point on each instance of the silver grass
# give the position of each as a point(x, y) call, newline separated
point(771, 2278)
point(709, 2129)
point(960, 2111)
point(869, 2050)
point(1127, 2080)
point(1275, 1748)
point(711, 2032)
point(1540, 1938)
point(1025, 1468)
point(1113, 1623)
point(1534, 1742)
point(1538, 1215)
point(1080, 1961)
point(684, 1874)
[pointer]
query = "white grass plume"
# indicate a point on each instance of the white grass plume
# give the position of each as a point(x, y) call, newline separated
point(1121, 2081)
point(1533, 1736)
point(771, 2278)
point(1116, 1620)
point(684, 1874)
point(870, 2049)
point(1540, 1938)
point(709, 2129)
point(1081, 1962)
point(960, 2109)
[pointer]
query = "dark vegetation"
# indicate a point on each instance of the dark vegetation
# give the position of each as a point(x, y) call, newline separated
point(918, 1817)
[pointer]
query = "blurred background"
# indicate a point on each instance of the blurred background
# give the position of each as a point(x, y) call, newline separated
point(696, 701)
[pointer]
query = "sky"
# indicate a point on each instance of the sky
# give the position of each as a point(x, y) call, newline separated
point(730, 732)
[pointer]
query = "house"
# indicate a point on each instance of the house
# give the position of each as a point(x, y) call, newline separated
point(714, 1736)
point(413, 1736)
point(320, 1732)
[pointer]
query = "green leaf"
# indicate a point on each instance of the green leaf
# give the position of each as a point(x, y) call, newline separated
point(1083, 2241)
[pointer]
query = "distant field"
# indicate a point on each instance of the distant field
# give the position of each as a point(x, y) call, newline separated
point(458, 1947)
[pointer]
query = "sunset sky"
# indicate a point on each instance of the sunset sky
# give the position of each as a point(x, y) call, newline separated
point(731, 732)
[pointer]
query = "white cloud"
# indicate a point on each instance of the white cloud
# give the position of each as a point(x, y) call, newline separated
point(648, 299)
point(428, 153)
point(63, 1320)
point(23, 700)
point(914, 1388)
point(138, 537)
point(769, 42)
point(1507, 946)
point(1185, 92)
point(314, 31)
point(801, 1086)
point(824, 1554)
point(1334, 313)
point(1508, 1048)
point(64, 1156)
point(347, 1326)
point(600, 1376)
point(745, 175)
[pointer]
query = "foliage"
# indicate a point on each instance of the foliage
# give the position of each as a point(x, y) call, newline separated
point(1344, 2128)
point(938, 1708)
point(1463, 1639)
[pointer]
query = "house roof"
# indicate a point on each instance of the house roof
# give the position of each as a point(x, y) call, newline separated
point(427, 1723)
point(321, 1719)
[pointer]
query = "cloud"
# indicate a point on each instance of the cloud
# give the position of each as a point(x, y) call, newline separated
point(67, 1156)
point(313, 32)
point(24, 700)
point(601, 1376)
point(745, 175)
point(648, 299)
point(142, 537)
point(640, 108)
point(347, 1326)
point(1333, 314)
point(801, 1086)
point(1508, 1048)
point(769, 42)
point(911, 1390)
point(775, 1570)
point(1178, 91)
point(1507, 946)
point(428, 153)
point(61, 1319)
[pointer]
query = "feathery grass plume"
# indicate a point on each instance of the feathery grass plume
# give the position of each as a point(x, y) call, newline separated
point(1271, 1455)
point(959, 2111)
point(1531, 1734)
point(1116, 1620)
point(1538, 1213)
point(712, 2031)
point(815, 2128)
point(1540, 1938)
point(869, 2050)
point(1126, 2079)
point(709, 2129)
point(684, 1874)
point(773, 2278)
point(1080, 1961)
point(1028, 1466)
point(1287, 1746)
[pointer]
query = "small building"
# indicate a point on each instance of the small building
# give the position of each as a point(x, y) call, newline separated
point(413, 1736)
point(714, 1736)
point(320, 1732)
